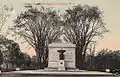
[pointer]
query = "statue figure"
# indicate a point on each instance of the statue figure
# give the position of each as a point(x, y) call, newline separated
point(61, 55)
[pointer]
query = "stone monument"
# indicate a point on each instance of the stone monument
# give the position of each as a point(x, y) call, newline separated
point(61, 56)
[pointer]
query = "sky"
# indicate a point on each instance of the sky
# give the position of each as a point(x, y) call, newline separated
point(111, 13)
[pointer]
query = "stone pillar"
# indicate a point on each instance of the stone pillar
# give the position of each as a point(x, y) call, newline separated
point(61, 65)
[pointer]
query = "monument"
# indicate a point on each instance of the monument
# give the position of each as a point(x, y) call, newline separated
point(61, 56)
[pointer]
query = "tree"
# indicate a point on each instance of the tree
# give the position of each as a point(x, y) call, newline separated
point(10, 50)
point(107, 59)
point(20, 61)
point(4, 15)
point(34, 62)
point(83, 24)
point(39, 27)
point(27, 61)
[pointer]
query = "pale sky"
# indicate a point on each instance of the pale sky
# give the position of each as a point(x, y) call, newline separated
point(111, 9)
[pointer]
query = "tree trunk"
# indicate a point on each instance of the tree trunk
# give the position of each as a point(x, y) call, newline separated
point(46, 57)
point(80, 58)
point(40, 56)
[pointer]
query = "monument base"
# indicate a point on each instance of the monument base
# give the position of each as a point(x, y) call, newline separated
point(61, 65)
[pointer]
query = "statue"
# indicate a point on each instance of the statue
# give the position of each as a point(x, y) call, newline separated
point(61, 55)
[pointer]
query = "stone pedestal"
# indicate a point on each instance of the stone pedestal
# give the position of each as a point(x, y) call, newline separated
point(61, 65)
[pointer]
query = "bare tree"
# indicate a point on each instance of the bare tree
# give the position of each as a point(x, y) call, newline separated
point(4, 15)
point(38, 27)
point(82, 25)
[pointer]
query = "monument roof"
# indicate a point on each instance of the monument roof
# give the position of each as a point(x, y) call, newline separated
point(63, 45)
